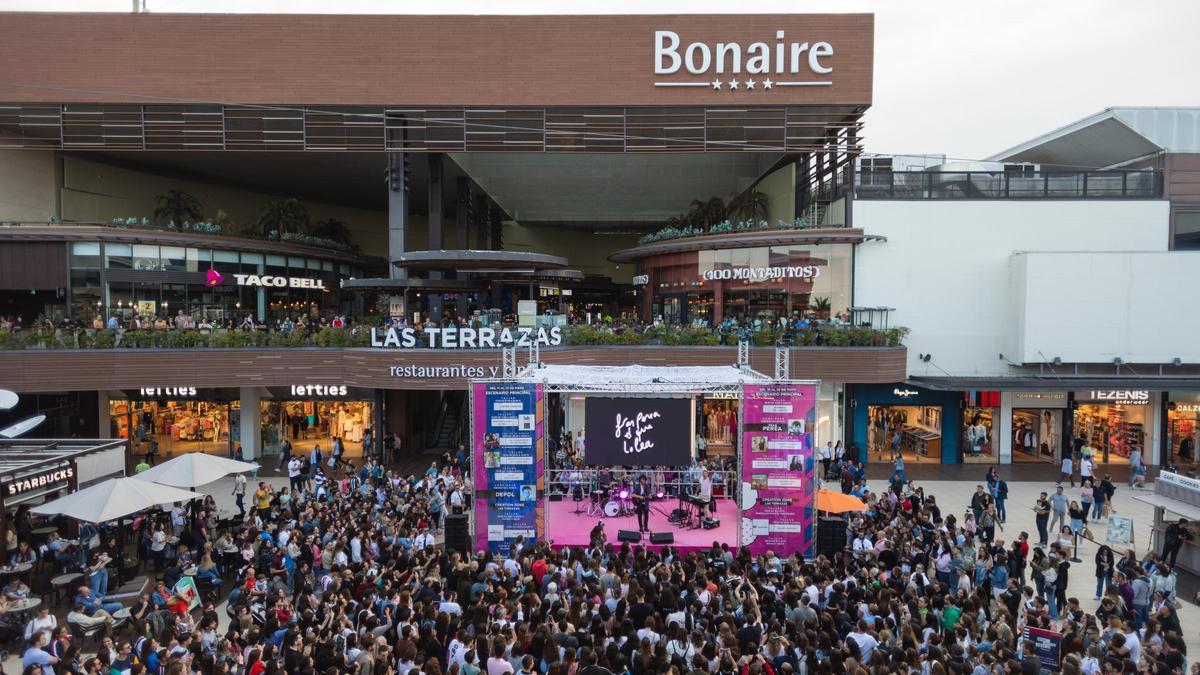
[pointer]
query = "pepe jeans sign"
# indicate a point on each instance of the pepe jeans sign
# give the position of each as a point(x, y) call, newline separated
point(905, 393)
point(465, 338)
point(278, 282)
point(762, 273)
point(792, 63)
point(641, 280)
point(37, 480)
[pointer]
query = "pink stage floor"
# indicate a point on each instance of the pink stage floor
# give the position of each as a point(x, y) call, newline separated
point(566, 528)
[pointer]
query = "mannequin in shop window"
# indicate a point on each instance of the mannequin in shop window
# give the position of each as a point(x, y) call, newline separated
point(1049, 440)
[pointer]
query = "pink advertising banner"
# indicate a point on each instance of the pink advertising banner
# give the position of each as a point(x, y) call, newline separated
point(778, 479)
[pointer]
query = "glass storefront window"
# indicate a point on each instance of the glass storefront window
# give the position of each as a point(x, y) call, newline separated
point(1112, 431)
point(307, 424)
point(226, 262)
point(85, 255)
point(1182, 422)
point(276, 266)
point(177, 426)
point(174, 258)
point(326, 266)
point(314, 264)
point(981, 435)
point(915, 432)
point(768, 282)
point(297, 263)
point(198, 260)
point(145, 257)
point(1036, 435)
point(118, 256)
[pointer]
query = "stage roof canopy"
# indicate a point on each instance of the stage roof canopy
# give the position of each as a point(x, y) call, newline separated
point(643, 379)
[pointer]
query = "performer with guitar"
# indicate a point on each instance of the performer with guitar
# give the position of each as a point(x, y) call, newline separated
point(641, 503)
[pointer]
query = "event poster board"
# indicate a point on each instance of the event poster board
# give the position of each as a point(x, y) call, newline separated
point(1120, 531)
point(1047, 645)
point(507, 433)
point(778, 479)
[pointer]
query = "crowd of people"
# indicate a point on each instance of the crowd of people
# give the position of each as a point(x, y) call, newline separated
point(342, 572)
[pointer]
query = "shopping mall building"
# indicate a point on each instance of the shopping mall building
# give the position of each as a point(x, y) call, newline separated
point(596, 171)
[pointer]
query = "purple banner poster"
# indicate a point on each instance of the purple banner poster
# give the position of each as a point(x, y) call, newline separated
point(778, 480)
point(507, 436)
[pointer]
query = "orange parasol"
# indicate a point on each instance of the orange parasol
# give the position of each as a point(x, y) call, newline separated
point(836, 502)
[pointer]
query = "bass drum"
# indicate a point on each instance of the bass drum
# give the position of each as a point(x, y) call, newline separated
point(612, 508)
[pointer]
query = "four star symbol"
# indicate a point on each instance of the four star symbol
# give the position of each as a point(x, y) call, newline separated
point(750, 84)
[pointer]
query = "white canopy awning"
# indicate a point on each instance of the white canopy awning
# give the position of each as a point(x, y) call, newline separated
point(658, 379)
point(194, 469)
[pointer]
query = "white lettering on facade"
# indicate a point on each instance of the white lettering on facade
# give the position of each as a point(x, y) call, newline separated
point(465, 338)
point(905, 393)
point(1122, 396)
point(641, 280)
point(40, 480)
point(278, 282)
point(168, 391)
point(762, 273)
point(758, 58)
point(319, 390)
point(443, 372)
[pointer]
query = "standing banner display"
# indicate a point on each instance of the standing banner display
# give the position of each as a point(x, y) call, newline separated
point(1047, 645)
point(507, 433)
point(778, 479)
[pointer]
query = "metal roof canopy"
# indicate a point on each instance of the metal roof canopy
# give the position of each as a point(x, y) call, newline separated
point(1051, 382)
point(1111, 137)
point(475, 259)
point(637, 379)
point(19, 455)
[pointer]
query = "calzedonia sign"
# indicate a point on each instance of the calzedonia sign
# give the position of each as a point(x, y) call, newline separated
point(464, 338)
point(38, 480)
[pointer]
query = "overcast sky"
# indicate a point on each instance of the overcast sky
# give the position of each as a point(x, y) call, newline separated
point(966, 79)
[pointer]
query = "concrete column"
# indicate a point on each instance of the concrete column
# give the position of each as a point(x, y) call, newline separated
point(105, 420)
point(251, 423)
point(462, 219)
point(495, 223)
point(397, 185)
point(1004, 424)
point(436, 220)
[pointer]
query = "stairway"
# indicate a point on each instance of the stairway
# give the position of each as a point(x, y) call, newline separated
point(450, 426)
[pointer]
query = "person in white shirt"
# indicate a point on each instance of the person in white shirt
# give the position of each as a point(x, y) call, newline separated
point(423, 540)
point(1133, 642)
point(865, 641)
point(862, 546)
point(706, 489)
point(826, 458)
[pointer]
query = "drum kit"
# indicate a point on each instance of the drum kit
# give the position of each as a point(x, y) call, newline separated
point(611, 502)
point(610, 498)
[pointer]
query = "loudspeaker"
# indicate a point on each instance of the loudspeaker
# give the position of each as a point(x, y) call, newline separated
point(457, 536)
point(629, 535)
point(831, 536)
point(710, 523)
point(662, 537)
point(555, 497)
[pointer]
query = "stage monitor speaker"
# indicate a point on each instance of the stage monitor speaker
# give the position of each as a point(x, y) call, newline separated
point(556, 497)
point(662, 537)
point(831, 536)
point(710, 523)
point(629, 535)
point(458, 537)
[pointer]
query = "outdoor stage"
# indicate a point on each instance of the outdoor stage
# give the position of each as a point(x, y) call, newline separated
point(566, 528)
